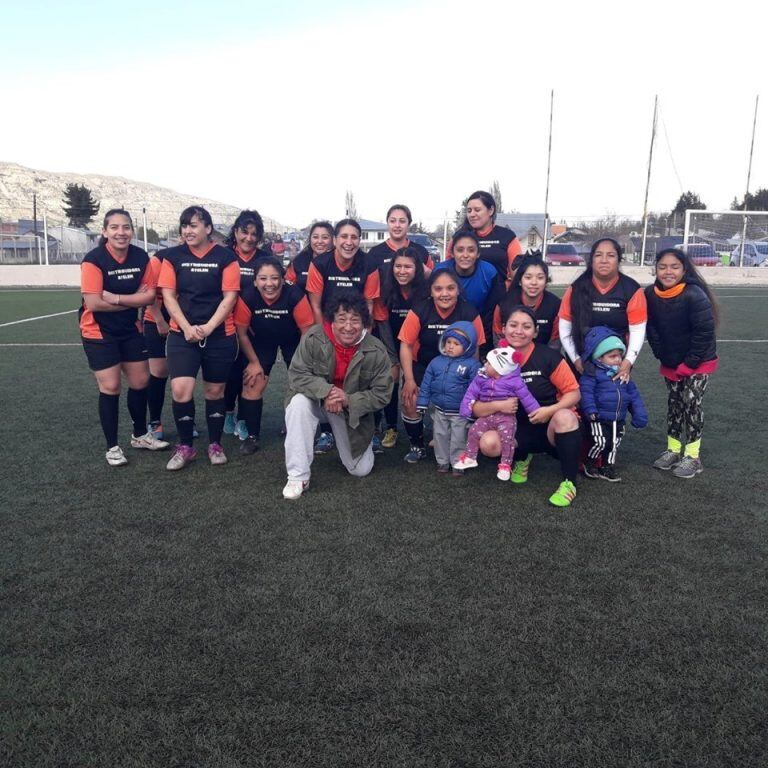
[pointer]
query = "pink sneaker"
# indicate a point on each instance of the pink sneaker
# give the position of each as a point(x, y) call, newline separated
point(216, 454)
point(504, 471)
point(182, 455)
point(465, 462)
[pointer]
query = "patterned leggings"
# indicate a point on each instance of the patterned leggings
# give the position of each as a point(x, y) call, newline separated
point(684, 411)
point(505, 424)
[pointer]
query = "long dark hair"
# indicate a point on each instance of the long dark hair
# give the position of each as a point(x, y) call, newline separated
point(108, 215)
point(326, 225)
point(486, 198)
point(531, 259)
point(691, 276)
point(582, 290)
point(390, 287)
point(242, 221)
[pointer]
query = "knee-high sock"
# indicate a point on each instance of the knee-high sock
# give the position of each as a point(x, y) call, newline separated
point(108, 410)
point(156, 397)
point(415, 429)
point(137, 407)
point(251, 412)
point(214, 415)
point(568, 446)
point(184, 416)
point(390, 411)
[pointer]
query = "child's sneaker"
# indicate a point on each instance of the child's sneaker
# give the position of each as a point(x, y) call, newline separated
point(390, 438)
point(592, 468)
point(520, 471)
point(457, 472)
point(608, 472)
point(564, 495)
point(416, 454)
point(443, 469)
point(229, 423)
point(504, 471)
point(688, 468)
point(667, 460)
point(465, 462)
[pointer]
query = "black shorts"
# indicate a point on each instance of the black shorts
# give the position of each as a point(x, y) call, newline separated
point(215, 356)
point(532, 438)
point(155, 342)
point(268, 356)
point(110, 351)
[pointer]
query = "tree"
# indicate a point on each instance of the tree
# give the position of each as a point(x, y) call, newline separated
point(495, 191)
point(152, 236)
point(756, 202)
point(688, 200)
point(79, 205)
point(349, 205)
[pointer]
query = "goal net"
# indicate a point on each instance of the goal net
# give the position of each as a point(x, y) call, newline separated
point(737, 238)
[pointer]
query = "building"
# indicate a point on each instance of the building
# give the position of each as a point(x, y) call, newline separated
point(529, 228)
point(374, 232)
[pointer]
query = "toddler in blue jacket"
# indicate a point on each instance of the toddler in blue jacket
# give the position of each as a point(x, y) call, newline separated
point(605, 401)
point(445, 381)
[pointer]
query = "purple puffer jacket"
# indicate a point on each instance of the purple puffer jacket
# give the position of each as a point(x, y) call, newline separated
point(486, 389)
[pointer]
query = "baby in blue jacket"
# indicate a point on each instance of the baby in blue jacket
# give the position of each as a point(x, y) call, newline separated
point(606, 400)
point(445, 381)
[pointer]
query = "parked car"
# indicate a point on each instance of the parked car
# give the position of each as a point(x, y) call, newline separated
point(433, 249)
point(755, 255)
point(563, 255)
point(701, 254)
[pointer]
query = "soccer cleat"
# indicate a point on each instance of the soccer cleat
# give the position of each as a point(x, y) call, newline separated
point(216, 454)
point(156, 428)
point(504, 471)
point(148, 441)
point(182, 455)
point(564, 495)
point(241, 431)
point(591, 469)
point(324, 444)
point(520, 471)
point(667, 460)
point(294, 488)
point(443, 469)
point(465, 462)
point(416, 454)
point(608, 472)
point(249, 446)
point(229, 423)
point(390, 438)
point(688, 468)
point(376, 444)
point(116, 457)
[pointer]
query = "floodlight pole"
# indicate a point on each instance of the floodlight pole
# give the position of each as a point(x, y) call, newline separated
point(749, 174)
point(648, 180)
point(549, 165)
point(445, 234)
point(45, 236)
point(144, 219)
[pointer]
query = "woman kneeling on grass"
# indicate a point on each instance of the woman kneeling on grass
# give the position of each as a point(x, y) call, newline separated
point(554, 428)
point(116, 278)
point(682, 318)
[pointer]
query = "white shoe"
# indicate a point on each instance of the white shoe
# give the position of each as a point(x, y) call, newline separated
point(116, 457)
point(294, 488)
point(148, 441)
point(465, 462)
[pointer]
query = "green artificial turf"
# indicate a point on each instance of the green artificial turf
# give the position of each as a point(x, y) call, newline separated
point(196, 619)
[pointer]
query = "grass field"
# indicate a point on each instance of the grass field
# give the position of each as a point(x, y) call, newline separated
point(197, 620)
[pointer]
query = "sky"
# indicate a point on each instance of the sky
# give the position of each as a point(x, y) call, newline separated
point(285, 106)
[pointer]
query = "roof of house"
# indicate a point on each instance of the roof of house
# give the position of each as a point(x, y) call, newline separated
point(521, 223)
point(368, 225)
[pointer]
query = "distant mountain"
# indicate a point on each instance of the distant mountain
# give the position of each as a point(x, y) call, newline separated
point(18, 183)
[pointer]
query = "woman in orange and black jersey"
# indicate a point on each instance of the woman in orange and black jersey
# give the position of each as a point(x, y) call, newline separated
point(116, 280)
point(320, 241)
point(399, 218)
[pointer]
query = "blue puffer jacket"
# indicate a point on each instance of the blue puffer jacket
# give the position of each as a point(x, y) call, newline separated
point(601, 396)
point(447, 378)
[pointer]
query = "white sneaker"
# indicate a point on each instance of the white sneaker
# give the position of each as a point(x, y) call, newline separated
point(294, 488)
point(148, 441)
point(504, 471)
point(116, 457)
point(465, 462)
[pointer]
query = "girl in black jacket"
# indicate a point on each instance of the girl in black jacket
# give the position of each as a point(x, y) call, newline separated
point(682, 317)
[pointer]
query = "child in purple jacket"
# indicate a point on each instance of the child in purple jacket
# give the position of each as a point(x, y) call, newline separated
point(498, 380)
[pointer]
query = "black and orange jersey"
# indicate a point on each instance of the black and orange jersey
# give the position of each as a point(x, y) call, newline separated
point(425, 324)
point(498, 246)
point(200, 281)
point(326, 276)
point(382, 254)
point(101, 270)
point(156, 259)
point(247, 272)
point(298, 270)
point(617, 306)
point(547, 376)
point(396, 314)
point(276, 324)
point(545, 310)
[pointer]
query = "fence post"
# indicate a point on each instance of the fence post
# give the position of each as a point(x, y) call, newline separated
point(45, 235)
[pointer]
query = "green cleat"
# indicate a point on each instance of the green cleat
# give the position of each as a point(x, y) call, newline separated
point(520, 471)
point(564, 495)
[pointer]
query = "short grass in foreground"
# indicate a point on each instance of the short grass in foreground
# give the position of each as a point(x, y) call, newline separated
point(197, 619)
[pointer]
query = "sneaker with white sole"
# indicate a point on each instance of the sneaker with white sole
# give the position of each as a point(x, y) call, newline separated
point(241, 431)
point(390, 438)
point(156, 428)
point(667, 460)
point(294, 488)
point(324, 444)
point(229, 423)
point(416, 454)
point(465, 462)
point(181, 456)
point(504, 471)
point(116, 457)
point(216, 454)
point(688, 468)
point(376, 445)
point(149, 441)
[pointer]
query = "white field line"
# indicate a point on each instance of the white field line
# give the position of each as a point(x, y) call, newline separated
point(40, 317)
point(35, 344)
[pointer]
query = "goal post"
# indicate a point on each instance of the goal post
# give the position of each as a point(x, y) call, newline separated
point(739, 238)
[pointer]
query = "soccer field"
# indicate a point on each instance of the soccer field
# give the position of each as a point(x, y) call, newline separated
point(197, 620)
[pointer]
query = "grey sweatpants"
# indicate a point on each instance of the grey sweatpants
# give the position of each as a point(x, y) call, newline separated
point(301, 419)
point(450, 435)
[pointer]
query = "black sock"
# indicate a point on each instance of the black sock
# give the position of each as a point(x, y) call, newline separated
point(568, 446)
point(184, 416)
point(108, 409)
point(251, 411)
point(233, 387)
point(390, 411)
point(215, 411)
point(137, 407)
point(415, 430)
point(156, 397)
